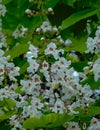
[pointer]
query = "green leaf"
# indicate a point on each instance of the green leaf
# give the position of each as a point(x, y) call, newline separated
point(78, 66)
point(89, 112)
point(23, 68)
point(76, 17)
point(47, 121)
point(69, 2)
point(6, 115)
point(51, 3)
point(17, 50)
point(18, 90)
point(6, 1)
point(90, 80)
point(8, 102)
point(5, 127)
point(78, 44)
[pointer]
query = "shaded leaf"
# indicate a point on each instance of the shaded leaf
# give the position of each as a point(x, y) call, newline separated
point(5, 127)
point(76, 17)
point(51, 3)
point(78, 66)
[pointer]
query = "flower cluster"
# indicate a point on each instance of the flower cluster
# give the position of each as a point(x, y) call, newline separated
point(7, 68)
point(93, 44)
point(48, 87)
point(94, 125)
point(2, 9)
point(58, 90)
point(46, 27)
point(20, 32)
point(96, 69)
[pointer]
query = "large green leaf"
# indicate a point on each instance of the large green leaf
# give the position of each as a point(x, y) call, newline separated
point(76, 17)
point(89, 112)
point(5, 127)
point(47, 121)
point(17, 50)
point(6, 115)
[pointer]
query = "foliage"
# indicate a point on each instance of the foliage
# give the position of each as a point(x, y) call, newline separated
point(67, 23)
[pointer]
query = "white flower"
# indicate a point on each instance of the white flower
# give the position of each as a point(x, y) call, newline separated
point(26, 84)
point(33, 112)
point(91, 44)
point(19, 32)
point(28, 11)
point(71, 109)
point(61, 41)
point(14, 128)
point(36, 102)
point(96, 93)
point(2, 69)
point(12, 71)
point(23, 31)
point(50, 48)
point(58, 106)
point(16, 33)
point(73, 126)
point(46, 74)
point(45, 65)
point(1, 53)
point(33, 53)
point(63, 63)
point(88, 28)
point(2, 40)
point(33, 66)
point(68, 92)
point(49, 94)
point(94, 125)
point(50, 9)
point(96, 69)
point(1, 79)
point(97, 33)
point(97, 45)
point(46, 27)
point(2, 10)
point(36, 79)
point(55, 29)
point(58, 53)
point(54, 67)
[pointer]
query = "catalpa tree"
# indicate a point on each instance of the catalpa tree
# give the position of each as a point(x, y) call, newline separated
point(49, 65)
